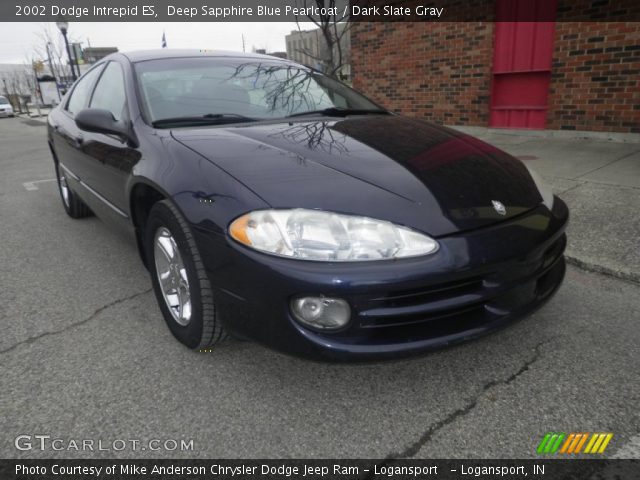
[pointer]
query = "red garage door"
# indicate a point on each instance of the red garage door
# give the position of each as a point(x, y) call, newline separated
point(522, 63)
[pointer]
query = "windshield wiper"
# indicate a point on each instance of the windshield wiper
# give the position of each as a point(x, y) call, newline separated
point(208, 119)
point(340, 112)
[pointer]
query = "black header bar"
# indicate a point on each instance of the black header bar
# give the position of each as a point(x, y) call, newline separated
point(292, 10)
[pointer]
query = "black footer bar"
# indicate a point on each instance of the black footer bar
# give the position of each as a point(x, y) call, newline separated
point(323, 469)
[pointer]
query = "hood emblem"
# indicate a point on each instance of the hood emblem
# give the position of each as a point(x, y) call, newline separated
point(499, 207)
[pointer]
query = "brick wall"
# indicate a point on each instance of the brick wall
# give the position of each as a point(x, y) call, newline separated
point(595, 81)
point(442, 72)
point(437, 71)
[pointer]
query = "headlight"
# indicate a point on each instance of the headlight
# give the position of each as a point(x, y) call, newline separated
point(543, 188)
point(324, 236)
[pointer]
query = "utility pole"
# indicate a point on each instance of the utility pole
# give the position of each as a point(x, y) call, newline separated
point(243, 45)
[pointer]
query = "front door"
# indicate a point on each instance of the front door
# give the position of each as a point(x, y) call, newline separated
point(109, 158)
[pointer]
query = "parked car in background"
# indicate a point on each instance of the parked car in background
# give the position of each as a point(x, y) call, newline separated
point(6, 110)
point(274, 202)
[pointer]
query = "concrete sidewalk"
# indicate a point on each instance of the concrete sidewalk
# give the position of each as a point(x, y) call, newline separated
point(600, 181)
point(33, 113)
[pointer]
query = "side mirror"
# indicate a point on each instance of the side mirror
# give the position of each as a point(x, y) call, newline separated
point(99, 120)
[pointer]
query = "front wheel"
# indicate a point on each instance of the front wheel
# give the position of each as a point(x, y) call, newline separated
point(180, 283)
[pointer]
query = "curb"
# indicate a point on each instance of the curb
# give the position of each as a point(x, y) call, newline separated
point(42, 120)
point(32, 116)
point(560, 134)
point(610, 272)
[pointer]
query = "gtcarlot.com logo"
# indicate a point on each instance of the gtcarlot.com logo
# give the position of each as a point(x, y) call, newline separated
point(574, 443)
point(47, 442)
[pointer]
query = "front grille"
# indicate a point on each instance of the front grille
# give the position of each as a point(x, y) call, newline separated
point(404, 329)
point(553, 252)
point(426, 304)
point(411, 319)
point(471, 301)
point(415, 296)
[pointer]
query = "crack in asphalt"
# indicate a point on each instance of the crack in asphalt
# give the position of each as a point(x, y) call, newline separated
point(576, 186)
point(433, 429)
point(608, 163)
point(95, 313)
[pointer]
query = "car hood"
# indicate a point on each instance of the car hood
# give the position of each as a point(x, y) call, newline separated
point(404, 170)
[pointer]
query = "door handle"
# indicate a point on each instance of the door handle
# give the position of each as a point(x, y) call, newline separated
point(78, 141)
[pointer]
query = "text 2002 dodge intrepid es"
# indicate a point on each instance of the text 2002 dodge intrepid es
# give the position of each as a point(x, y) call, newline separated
point(272, 202)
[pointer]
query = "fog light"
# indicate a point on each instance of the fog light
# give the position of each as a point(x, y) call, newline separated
point(321, 312)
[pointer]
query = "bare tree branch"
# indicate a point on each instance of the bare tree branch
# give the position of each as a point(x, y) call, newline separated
point(333, 28)
point(51, 49)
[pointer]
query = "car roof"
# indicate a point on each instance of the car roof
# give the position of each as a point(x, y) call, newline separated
point(145, 55)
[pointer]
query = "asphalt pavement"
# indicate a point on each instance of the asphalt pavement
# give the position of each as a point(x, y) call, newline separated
point(85, 355)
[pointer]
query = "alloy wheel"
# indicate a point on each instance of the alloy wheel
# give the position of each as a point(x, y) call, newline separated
point(172, 276)
point(64, 189)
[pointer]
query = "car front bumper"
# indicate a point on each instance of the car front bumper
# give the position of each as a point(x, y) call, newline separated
point(477, 282)
point(6, 113)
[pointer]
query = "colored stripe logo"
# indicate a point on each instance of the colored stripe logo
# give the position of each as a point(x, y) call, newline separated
point(573, 443)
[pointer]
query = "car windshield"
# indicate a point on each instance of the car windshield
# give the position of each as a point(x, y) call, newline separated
point(230, 89)
point(3, 101)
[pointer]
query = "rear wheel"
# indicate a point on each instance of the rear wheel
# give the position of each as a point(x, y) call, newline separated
point(72, 204)
point(180, 283)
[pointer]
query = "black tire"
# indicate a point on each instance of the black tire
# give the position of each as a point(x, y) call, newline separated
point(72, 204)
point(204, 329)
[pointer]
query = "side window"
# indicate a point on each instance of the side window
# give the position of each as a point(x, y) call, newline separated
point(109, 93)
point(81, 92)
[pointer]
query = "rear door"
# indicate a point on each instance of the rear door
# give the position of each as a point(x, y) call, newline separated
point(68, 138)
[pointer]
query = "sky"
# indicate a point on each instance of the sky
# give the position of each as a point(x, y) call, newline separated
point(18, 39)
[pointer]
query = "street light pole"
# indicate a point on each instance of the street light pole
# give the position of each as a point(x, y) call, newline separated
point(64, 26)
point(76, 61)
point(53, 73)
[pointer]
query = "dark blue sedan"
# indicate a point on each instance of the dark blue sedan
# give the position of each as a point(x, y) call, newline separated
point(272, 202)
